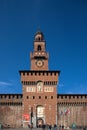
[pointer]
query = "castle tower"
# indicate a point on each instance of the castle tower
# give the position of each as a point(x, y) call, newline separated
point(39, 57)
point(39, 87)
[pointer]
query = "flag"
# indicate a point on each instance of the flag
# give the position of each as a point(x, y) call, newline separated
point(67, 112)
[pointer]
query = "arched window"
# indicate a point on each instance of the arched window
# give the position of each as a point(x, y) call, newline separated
point(39, 48)
point(39, 38)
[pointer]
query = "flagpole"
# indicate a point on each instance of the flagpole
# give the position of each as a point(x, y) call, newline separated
point(61, 118)
point(64, 116)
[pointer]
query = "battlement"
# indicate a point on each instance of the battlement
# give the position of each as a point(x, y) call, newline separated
point(11, 99)
point(72, 98)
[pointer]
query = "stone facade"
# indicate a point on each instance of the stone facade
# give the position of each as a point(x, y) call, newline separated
point(39, 102)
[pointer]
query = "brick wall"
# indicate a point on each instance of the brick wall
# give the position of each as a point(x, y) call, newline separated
point(11, 115)
point(72, 109)
point(46, 99)
point(11, 110)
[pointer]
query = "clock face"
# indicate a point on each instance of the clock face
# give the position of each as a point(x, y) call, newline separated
point(39, 63)
point(40, 86)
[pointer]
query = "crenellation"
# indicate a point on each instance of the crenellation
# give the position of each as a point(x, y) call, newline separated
point(8, 97)
point(33, 73)
point(10, 103)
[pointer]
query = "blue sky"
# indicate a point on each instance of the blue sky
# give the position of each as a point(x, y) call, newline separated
point(64, 24)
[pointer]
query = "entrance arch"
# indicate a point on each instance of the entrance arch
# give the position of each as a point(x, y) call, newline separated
point(40, 115)
point(40, 122)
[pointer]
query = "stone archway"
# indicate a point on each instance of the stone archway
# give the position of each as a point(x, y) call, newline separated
point(40, 122)
point(40, 115)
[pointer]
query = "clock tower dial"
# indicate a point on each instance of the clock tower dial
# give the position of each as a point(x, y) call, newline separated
point(39, 57)
point(39, 63)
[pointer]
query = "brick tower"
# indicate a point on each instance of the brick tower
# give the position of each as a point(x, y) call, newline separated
point(39, 87)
